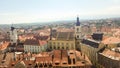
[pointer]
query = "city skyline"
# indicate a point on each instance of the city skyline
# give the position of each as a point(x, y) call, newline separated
point(27, 11)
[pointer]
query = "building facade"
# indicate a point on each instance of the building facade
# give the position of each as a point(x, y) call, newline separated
point(91, 48)
point(109, 58)
point(63, 40)
point(34, 46)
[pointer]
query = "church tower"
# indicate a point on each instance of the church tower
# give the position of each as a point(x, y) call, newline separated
point(13, 36)
point(78, 34)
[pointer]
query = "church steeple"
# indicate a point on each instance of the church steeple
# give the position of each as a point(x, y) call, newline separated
point(78, 29)
point(78, 22)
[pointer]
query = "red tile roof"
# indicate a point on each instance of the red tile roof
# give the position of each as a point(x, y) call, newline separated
point(111, 40)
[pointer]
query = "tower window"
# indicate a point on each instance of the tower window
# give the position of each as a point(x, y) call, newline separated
point(77, 36)
point(77, 29)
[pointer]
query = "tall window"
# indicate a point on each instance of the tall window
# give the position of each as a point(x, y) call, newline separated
point(77, 29)
point(77, 36)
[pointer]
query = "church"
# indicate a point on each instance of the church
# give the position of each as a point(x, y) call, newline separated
point(66, 40)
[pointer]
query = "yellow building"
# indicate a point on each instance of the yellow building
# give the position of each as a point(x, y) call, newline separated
point(66, 40)
point(63, 40)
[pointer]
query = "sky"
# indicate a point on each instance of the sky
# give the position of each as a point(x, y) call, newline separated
point(28, 11)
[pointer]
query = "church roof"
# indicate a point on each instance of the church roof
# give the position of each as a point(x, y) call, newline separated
point(65, 36)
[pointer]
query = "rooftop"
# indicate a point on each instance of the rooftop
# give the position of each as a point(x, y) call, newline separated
point(112, 54)
point(111, 40)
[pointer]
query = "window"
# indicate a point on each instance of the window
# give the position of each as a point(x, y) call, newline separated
point(50, 43)
point(58, 43)
point(11, 40)
point(66, 43)
point(54, 47)
point(77, 36)
point(63, 44)
point(53, 43)
point(62, 47)
point(57, 63)
point(50, 47)
point(77, 29)
point(58, 47)
point(73, 61)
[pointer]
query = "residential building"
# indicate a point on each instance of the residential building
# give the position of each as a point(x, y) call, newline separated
point(109, 58)
point(53, 59)
point(34, 45)
point(91, 48)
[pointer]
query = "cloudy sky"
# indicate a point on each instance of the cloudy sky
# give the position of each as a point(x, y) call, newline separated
point(27, 11)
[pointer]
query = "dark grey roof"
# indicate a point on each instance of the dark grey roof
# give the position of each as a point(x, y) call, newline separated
point(91, 43)
point(31, 42)
point(65, 36)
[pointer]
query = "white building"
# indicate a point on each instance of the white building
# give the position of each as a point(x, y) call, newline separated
point(34, 46)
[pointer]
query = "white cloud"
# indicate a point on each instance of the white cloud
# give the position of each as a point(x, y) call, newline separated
point(52, 16)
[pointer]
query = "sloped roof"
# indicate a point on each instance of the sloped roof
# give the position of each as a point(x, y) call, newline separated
point(65, 36)
point(111, 40)
point(31, 42)
point(111, 54)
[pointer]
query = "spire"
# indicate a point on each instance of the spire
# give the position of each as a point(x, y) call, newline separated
point(12, 28)
point(77, 23)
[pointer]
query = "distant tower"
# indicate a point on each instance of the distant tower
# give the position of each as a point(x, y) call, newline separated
point(13, 36)
point(50, 33)
point(78, 34)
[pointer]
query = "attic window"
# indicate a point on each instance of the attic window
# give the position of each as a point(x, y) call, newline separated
point(56, 63)
point(64, 63)
point(83, 62)
point(50, 65)
point(12, 65)
point(71, 53)
point(30, 64)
